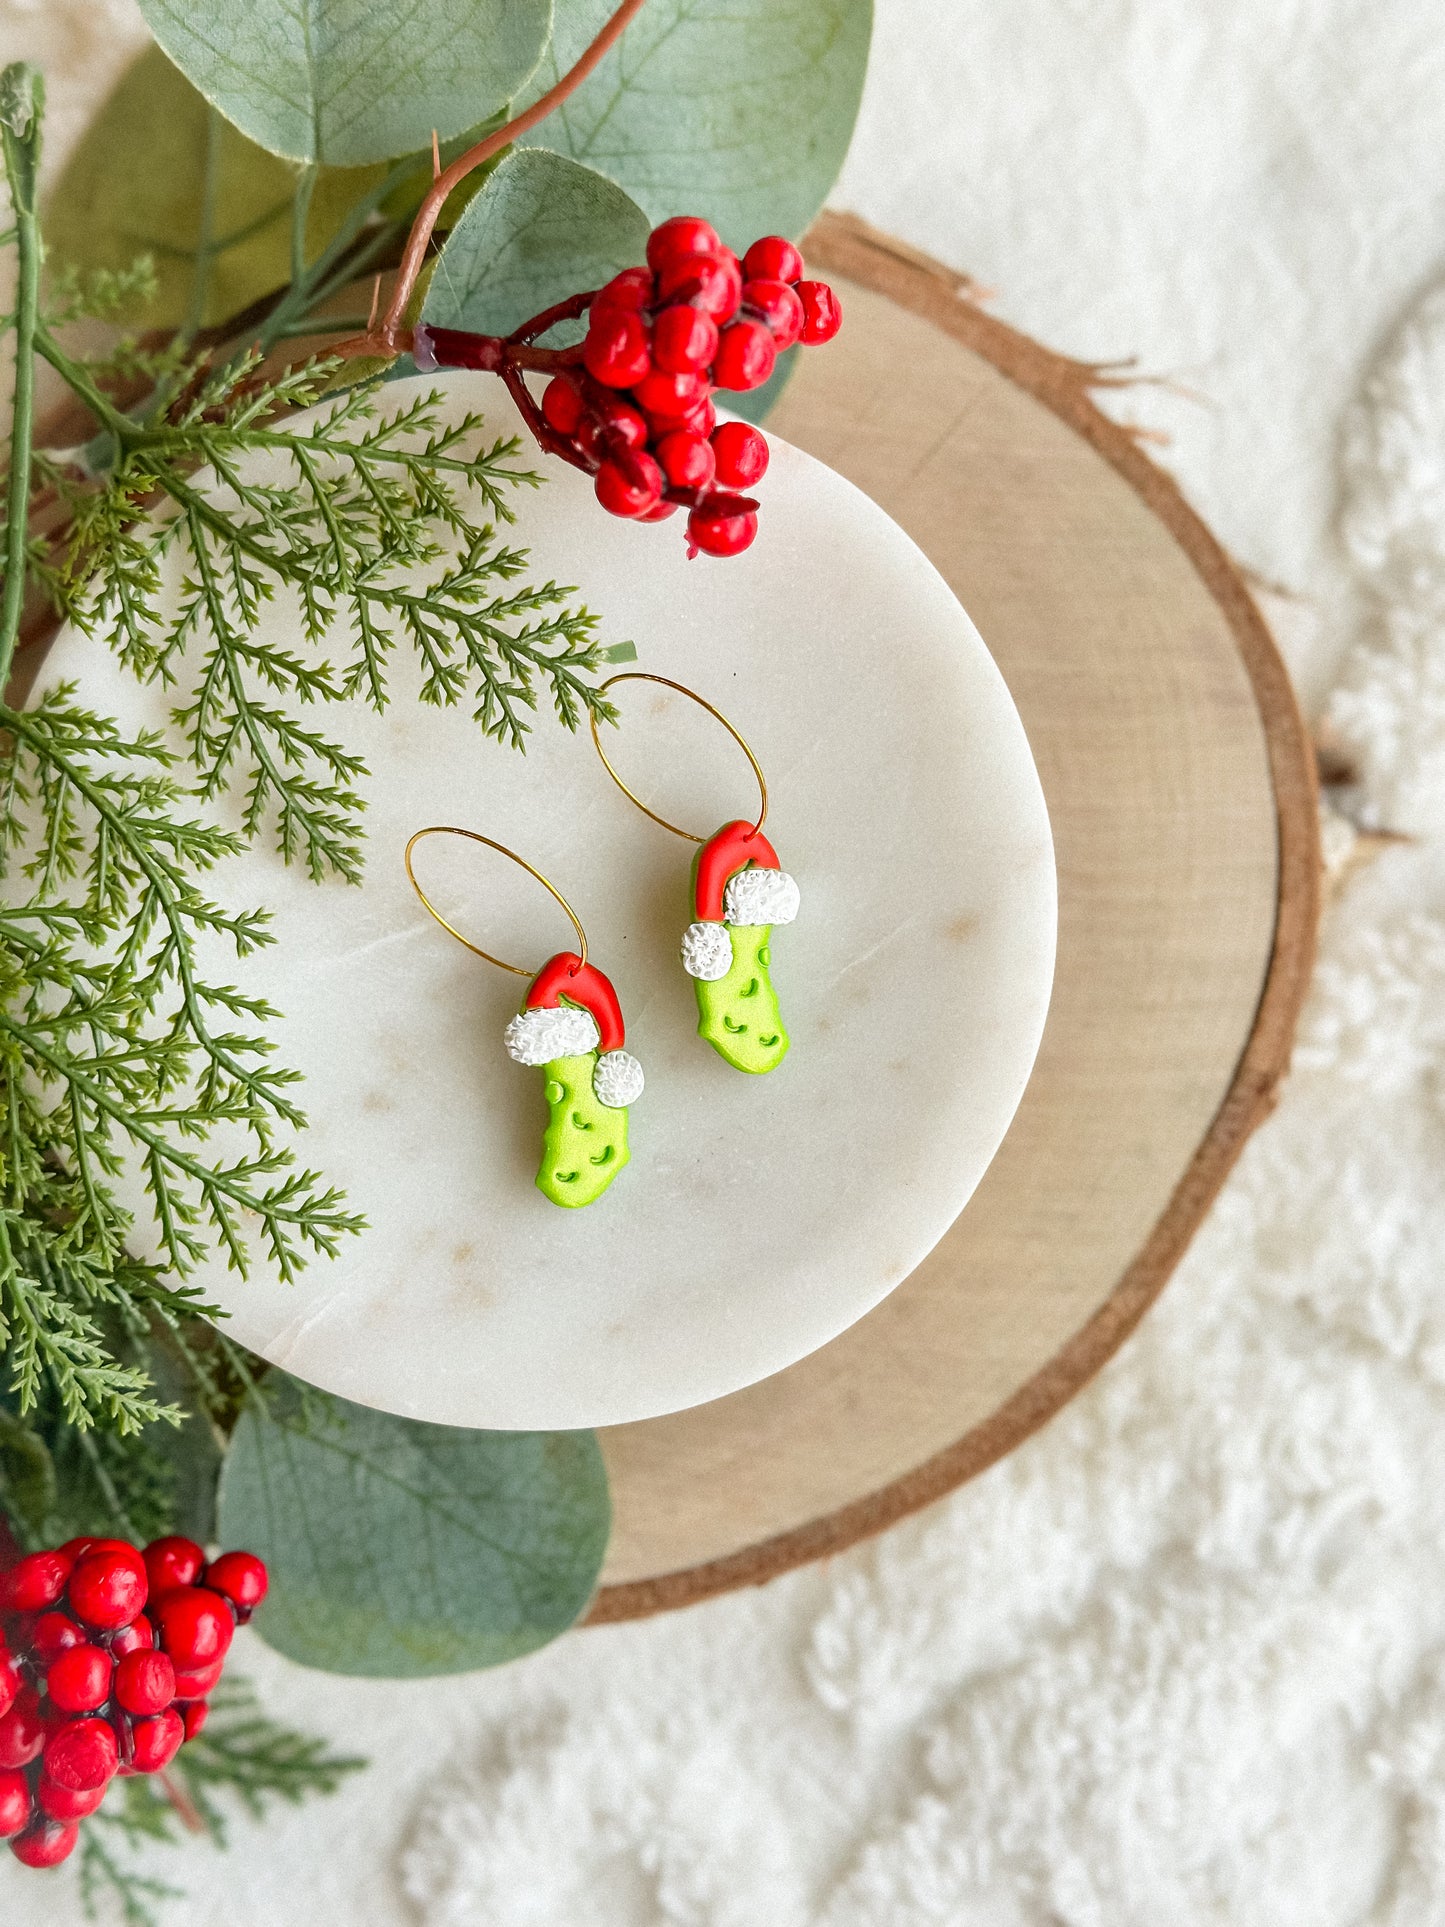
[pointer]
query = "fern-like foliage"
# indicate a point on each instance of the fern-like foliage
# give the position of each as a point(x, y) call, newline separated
point(241, 1759)
point(267, 565)
point(125, 1061)
point(373, 528)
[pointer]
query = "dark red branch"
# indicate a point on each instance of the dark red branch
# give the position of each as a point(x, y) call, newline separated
point(572, 309)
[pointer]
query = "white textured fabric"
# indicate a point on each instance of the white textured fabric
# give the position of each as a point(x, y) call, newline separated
point(541, 1036)
point(760, 896)
point(617, 1079)
point(1181, 1658)
point(1389, 707)
point(707, 951)
point(1179, 1661)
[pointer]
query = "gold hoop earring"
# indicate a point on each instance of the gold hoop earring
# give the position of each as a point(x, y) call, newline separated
point(739, 892)
point(570, 1025)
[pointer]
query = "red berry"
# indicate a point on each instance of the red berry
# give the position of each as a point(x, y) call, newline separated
point(195, 1628)
point(772, 259)
point(627, 293)
point(79, 1680)
point(712, 282)
point(34, 1582)
point(742, 454)
point(155, 1743)
point(61, 1803)
point(22, 1731)
point(14, 1802)
point(778, 308)
point(745, 356)
point(670, 397)
point(202, 1680)
point(45, 1843)
point(615, 351)
point(145, 1682)
point(76, 1548)
point(194, 1717)
point(660, 513)
point(684, 340)
point(678, 238)
point(630, 492)
point(702, 421)
point(241, 1577)
point(9, 1683)
point(686, 460)
point(562, 410)
point(52, 1635)
point(610, 422)
point(81, 1754)
point(138, 1637)
point(822, 313)
point(108, 1589)
point(717, 533)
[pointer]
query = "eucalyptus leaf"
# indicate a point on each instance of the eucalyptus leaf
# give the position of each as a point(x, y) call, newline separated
point(135, 184)
point(542, 228)
point(352, 81)
point(399, 1549)
point(737, 110)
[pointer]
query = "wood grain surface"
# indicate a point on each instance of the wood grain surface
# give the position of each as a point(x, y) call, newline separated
point(1181, 791)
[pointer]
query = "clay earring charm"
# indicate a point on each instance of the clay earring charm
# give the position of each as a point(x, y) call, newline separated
point(571, 1026)
point(739, 892)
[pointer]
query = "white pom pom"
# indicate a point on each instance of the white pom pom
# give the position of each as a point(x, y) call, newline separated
point(617, 1079)
point(707, 951)
point(760, 896)
point(541, 1036)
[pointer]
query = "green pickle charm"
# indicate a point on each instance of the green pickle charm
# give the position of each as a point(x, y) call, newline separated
point(739, 894)
point(571, 1027)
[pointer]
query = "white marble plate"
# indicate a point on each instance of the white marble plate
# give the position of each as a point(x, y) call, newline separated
point(759, 1217)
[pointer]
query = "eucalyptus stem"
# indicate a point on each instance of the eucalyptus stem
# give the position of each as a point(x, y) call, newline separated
point(385, 339)
point(319, 325)
point(300, 210)
point(22, 97)
point(205, 241)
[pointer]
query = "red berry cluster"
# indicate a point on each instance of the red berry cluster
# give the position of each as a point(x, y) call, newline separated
point(635, 409)
point(106, 1657)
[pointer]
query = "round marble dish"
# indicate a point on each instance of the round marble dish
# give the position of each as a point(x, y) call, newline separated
point(759, 1217)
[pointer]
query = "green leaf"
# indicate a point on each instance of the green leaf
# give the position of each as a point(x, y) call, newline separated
point(738, 110)
point(351, 81)
point(136, 185)
point(542, 228)
point(27, 1475)
point(190, 1449)
point(399, 1549)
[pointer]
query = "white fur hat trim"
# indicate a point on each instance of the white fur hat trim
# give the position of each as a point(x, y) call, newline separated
point(707, 951)
point(760, 896)
point(541, 1036)
point(617, 1079)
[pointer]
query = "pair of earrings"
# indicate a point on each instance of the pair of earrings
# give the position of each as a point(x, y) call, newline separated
point(570, 1023)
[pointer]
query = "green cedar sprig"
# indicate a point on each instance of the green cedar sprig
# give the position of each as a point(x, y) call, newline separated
point(242, 1758)
point(145, 1123)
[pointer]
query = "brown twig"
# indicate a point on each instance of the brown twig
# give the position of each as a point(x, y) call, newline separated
point(191, 1817)
point(388, 340)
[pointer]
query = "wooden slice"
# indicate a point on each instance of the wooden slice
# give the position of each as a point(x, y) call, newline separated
point(1181, 789)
